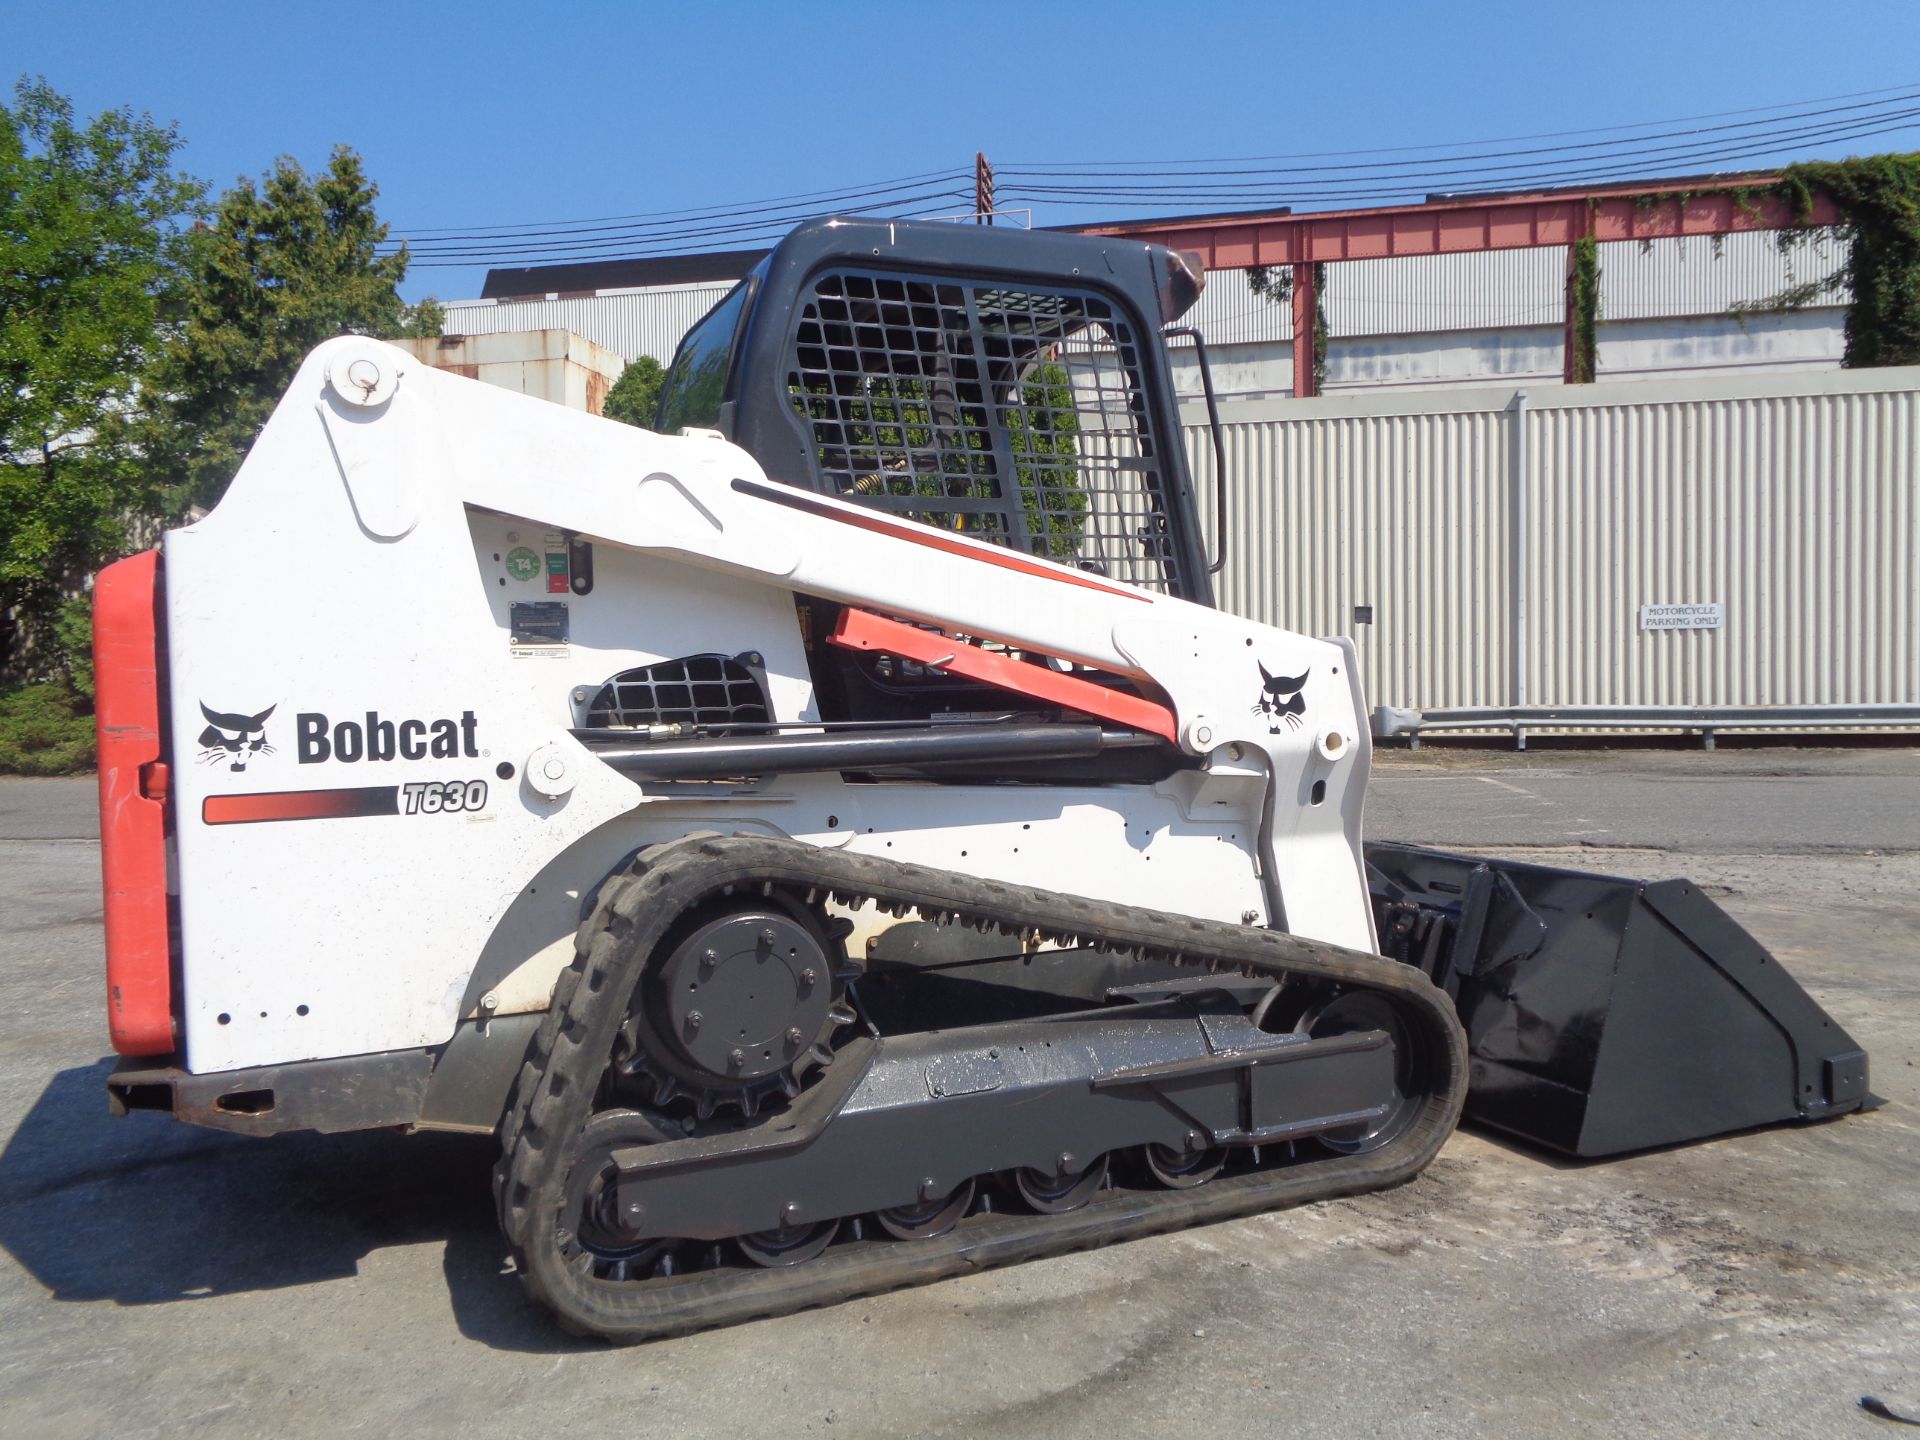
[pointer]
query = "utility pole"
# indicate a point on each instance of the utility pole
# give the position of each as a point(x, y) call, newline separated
point(982, 190)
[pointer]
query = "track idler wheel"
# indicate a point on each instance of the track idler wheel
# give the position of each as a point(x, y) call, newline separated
point(934, 1216)
point(598, 1243)
point(1366, 1010)
point(1055, 1194)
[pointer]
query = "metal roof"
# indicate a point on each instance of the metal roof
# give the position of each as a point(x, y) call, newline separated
point(591, 276)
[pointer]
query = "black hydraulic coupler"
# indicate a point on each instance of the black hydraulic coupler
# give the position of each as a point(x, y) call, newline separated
point(1605, 1015)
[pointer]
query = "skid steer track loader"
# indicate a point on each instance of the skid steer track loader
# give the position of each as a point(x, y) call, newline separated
point(835, 842)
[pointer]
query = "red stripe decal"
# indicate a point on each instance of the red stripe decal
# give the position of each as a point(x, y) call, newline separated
point(918, 534)
point(133, 844)
point(863, 630)
point(301, 805)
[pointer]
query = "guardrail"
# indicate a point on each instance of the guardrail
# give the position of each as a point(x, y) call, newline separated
point(1390, 722)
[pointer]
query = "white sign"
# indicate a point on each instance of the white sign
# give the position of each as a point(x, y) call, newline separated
point(1682, 617)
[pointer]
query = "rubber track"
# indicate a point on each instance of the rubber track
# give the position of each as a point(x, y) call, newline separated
point(553, 1095)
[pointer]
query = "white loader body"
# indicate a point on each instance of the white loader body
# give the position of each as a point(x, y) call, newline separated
point(395, 830)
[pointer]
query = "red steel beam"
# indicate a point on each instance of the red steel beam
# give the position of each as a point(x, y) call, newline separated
point(1645, 210)
point(1649, 210)
point(1306, 309)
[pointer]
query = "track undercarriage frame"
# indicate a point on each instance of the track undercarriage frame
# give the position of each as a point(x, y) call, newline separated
point(1215, 1115)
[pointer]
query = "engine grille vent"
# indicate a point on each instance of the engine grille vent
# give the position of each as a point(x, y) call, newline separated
point(715, 692)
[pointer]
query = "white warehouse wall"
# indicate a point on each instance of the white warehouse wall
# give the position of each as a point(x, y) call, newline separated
point(1790, 500)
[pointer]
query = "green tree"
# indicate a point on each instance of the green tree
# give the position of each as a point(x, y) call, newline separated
point(92, 225)
point(1879, 201)
point(1044, 434)
point(288, 262)
point(1274, 283)
point(635, 396)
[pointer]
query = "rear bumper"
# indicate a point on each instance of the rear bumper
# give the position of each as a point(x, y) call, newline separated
point(357, 1092)
point(462, 1085)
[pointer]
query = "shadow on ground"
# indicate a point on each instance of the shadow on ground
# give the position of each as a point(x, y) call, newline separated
point(144, 1211)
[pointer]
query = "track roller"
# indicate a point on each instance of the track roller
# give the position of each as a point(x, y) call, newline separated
point(1057, 1194)
point(1182, 1170)
point(788, 1245)
point(931, 1217)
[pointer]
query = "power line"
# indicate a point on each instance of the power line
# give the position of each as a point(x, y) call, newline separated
point(1249, 182)
point(1588, 169)
point(1787, 105)
point(692, 243)
point(736, 233)
point(1636, 153)
point(1482, 155)
point(430, 232)
point(830, 198)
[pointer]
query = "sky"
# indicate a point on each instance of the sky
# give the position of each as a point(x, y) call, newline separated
point(508, 115)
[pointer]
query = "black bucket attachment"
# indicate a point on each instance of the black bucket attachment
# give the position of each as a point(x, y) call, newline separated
point(1606, 1015)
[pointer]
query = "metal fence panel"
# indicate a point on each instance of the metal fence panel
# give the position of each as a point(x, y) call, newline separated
point(1403, 513)
point(1792, 512)
point(1788, 500)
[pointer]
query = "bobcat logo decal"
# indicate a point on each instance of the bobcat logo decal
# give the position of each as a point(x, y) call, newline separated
point(1282, 699)
point(233, 738)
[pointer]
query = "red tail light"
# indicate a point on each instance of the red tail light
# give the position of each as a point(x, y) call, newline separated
point(133, 781)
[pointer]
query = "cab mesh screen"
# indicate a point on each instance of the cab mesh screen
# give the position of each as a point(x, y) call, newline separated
point(1013, 415)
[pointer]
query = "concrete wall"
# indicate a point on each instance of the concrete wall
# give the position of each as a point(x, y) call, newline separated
point(1673, 345)
point(551, 364)
point(630, 323)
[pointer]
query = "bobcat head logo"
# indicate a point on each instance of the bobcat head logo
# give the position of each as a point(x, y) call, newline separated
point(1282, 699)
point(233, 738)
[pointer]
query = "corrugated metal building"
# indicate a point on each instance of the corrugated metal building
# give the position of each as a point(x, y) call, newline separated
point(1490, 318)
point(1667, 307)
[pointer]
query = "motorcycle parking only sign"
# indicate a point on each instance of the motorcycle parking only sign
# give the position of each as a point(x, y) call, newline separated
point(1683, 617)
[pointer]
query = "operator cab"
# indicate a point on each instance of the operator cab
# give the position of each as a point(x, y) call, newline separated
point(1009, 386)
point(1006, 386)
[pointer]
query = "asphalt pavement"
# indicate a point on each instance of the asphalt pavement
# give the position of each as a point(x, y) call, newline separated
point(65, 809)
point(1775, 799)
point(159, 1280)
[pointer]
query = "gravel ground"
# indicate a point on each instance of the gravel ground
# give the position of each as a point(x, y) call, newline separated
point(155, 1279)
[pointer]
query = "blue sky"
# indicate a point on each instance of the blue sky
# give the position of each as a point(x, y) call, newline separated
point(498, 114)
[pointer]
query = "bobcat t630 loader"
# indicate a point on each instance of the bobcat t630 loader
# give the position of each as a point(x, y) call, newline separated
point(835, 842)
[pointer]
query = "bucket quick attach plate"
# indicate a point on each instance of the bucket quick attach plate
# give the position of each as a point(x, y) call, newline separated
point(1606, 1015)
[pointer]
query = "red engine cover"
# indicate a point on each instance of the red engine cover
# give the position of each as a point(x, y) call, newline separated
point(133, 781)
